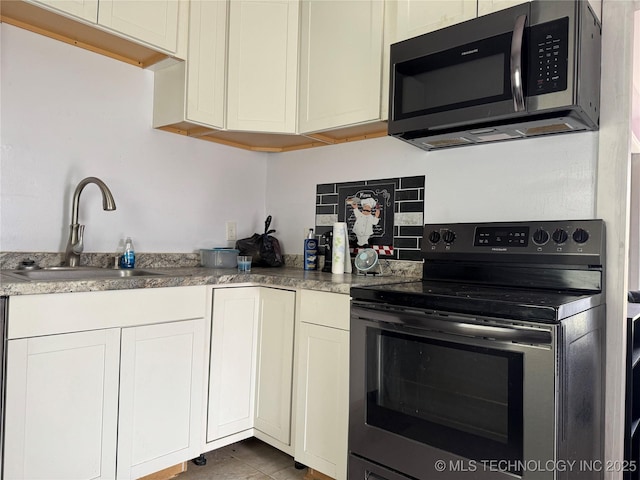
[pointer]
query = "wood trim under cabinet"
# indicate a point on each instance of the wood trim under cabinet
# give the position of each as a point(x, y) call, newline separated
point(167, 473)
point(276, 143)
point(65, 29)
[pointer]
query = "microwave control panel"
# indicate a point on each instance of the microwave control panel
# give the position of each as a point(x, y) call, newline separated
point(548, 57)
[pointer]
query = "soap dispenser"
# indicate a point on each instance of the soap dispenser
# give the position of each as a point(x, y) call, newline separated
point(128, 258)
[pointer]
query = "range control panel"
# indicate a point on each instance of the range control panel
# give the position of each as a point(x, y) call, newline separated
point(558, 238)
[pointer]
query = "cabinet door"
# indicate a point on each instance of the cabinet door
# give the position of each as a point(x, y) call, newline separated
point(206, 65)
point(415, 17)
point(490, 6)
point(323, 399)
point(85, 9)
point(62, 406)
point(232, 368)
point(263, 54)
point(151, 21)
point(275, 364)
point(340, 63)
point(161, 382)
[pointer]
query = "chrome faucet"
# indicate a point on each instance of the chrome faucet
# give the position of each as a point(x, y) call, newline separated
point(75, 245)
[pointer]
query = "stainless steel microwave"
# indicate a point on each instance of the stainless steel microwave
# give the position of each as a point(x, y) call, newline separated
point(529, 70)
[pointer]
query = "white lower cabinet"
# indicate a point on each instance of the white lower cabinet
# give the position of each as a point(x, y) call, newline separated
point(232, 368)
point(251, 366)
point(111, 385)
point(322, 413)
point(161, 370)
point(62, 406)
point(126, 391)
point(274, 369)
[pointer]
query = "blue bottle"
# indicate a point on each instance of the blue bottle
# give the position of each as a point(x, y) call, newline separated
point(128, 258)
point(310, 252)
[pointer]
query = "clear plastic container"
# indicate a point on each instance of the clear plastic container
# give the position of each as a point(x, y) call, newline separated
point(219, 257)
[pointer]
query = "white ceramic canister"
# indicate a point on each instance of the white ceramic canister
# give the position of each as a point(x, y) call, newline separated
point(339, 247)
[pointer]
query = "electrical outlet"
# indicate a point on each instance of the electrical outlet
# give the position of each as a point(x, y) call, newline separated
point(232, 233)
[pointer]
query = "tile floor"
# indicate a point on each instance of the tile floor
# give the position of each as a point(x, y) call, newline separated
point(249, 459)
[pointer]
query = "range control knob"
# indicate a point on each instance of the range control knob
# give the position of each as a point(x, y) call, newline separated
point(434, 237)
point(540, 236)
point(580, 235)
point(448, 236)
point(560, 236)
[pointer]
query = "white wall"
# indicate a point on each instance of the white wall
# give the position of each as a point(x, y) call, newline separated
point(68, 114)
point(613, 205)
point(545, 178)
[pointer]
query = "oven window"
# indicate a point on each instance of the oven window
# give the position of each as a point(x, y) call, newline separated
point(423, 90)
point(463, 399)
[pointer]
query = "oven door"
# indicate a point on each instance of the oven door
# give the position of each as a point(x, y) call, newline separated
point(477, 394)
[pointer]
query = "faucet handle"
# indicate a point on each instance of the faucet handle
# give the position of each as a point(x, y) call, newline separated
point(78, 247)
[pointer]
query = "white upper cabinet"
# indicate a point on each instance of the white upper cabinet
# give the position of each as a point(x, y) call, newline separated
point(490, 6)
point(415, 17)
point(262, 68)
point(206, 72)
point(85, 9)
point(340, 63)
point(151, 21)
point(195, 91)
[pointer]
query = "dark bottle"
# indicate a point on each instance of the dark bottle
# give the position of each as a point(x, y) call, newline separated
point(327, 239)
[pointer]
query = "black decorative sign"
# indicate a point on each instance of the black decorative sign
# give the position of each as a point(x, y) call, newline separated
point(368, 212)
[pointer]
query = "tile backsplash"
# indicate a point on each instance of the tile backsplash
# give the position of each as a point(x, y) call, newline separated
point(397, 225)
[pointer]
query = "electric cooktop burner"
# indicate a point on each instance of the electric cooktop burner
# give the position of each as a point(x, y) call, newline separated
point(533, 305)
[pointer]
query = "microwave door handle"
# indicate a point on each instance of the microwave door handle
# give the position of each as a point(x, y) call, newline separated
point(516, 64)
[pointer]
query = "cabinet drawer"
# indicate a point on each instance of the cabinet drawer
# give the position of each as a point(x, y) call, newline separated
point(323, 308)
point(47, 314)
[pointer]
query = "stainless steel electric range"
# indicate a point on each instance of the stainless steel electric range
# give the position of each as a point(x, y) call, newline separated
point(491, 366)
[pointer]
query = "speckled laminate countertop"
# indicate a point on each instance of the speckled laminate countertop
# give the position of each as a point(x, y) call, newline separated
point(188, 276)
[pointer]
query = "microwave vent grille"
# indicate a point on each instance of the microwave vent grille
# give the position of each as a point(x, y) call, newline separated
point(446, 142)
point(546, 129)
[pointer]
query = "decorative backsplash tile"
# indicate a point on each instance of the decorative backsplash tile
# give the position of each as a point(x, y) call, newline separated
point(385, 214)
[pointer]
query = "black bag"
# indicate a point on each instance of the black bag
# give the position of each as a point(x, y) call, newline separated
point(264, 249)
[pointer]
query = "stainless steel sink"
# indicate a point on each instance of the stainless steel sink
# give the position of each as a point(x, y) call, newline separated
point(81, 273)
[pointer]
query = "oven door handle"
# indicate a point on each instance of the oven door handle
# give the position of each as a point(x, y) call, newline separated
point(454, 326)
